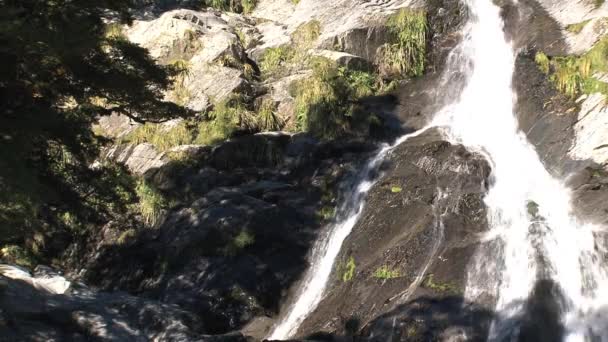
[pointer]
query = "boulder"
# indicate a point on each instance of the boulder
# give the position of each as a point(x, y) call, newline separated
point(413, 239)
point(29, 312)
point(208, 46)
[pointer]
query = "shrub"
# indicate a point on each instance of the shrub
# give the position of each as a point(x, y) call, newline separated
point(406, 54)
point(385, 272)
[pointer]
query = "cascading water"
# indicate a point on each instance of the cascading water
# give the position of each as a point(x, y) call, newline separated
point(327, 248)
point(532, 234)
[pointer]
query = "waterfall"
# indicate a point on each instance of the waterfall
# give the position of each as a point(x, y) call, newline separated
point(327, 247)
point(533, 235)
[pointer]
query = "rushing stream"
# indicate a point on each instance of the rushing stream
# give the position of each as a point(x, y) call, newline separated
point(532, 234)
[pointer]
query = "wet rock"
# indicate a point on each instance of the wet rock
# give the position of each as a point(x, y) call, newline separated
point(246, 213)
point(415, 235)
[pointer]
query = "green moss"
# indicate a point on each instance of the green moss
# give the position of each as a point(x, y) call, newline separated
point(543, 62)
point(431, 284)
point(406, 54)
point(396, 189)
point(349, 272)
point(241, 241)
point(244, 239)
point(385, 272)
point(577, 28)
point(326, 212)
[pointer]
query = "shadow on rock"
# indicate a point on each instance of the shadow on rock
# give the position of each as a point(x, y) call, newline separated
point(244, 215)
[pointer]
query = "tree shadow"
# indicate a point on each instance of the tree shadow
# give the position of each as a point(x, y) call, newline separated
point(236, 239)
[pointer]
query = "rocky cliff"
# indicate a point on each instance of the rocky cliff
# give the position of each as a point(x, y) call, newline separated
point(226, 252)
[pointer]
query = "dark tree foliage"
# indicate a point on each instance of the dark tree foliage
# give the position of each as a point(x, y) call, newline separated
point(60, 71)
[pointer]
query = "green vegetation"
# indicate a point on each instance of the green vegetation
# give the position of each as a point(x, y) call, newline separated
point(306, 34)
point(62, 69)
point(349, 273)
point(431, 284)
point(17, 255)
point(543, 62)
point(532, 208)
point(577, 28)
point(237, 6)
point(268, 119)
point(295, 2)
point(598, 3)
point(406, 54)
point(326, 104)
point(396, 189)
point(276, 60)
point(162, 137)
point(244, 239)
point(126, 236)
point(575, 75)
point(326, 212)
point(241, 241)
point(151, 203)
point(222, 121)
point(385, 272)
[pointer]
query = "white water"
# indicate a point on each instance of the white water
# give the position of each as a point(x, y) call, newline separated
point(519, 248)
point(326, 249)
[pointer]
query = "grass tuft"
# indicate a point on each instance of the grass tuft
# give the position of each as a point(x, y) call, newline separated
point(385, 272)
point(151, 202)
point(349, 273)
point(306, 34)
point(162, 137)
point(575, 75)
point(406, 54)
point(577, 28)
point(268, 119)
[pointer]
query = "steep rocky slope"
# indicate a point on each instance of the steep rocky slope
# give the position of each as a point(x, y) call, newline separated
point(226, 255)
